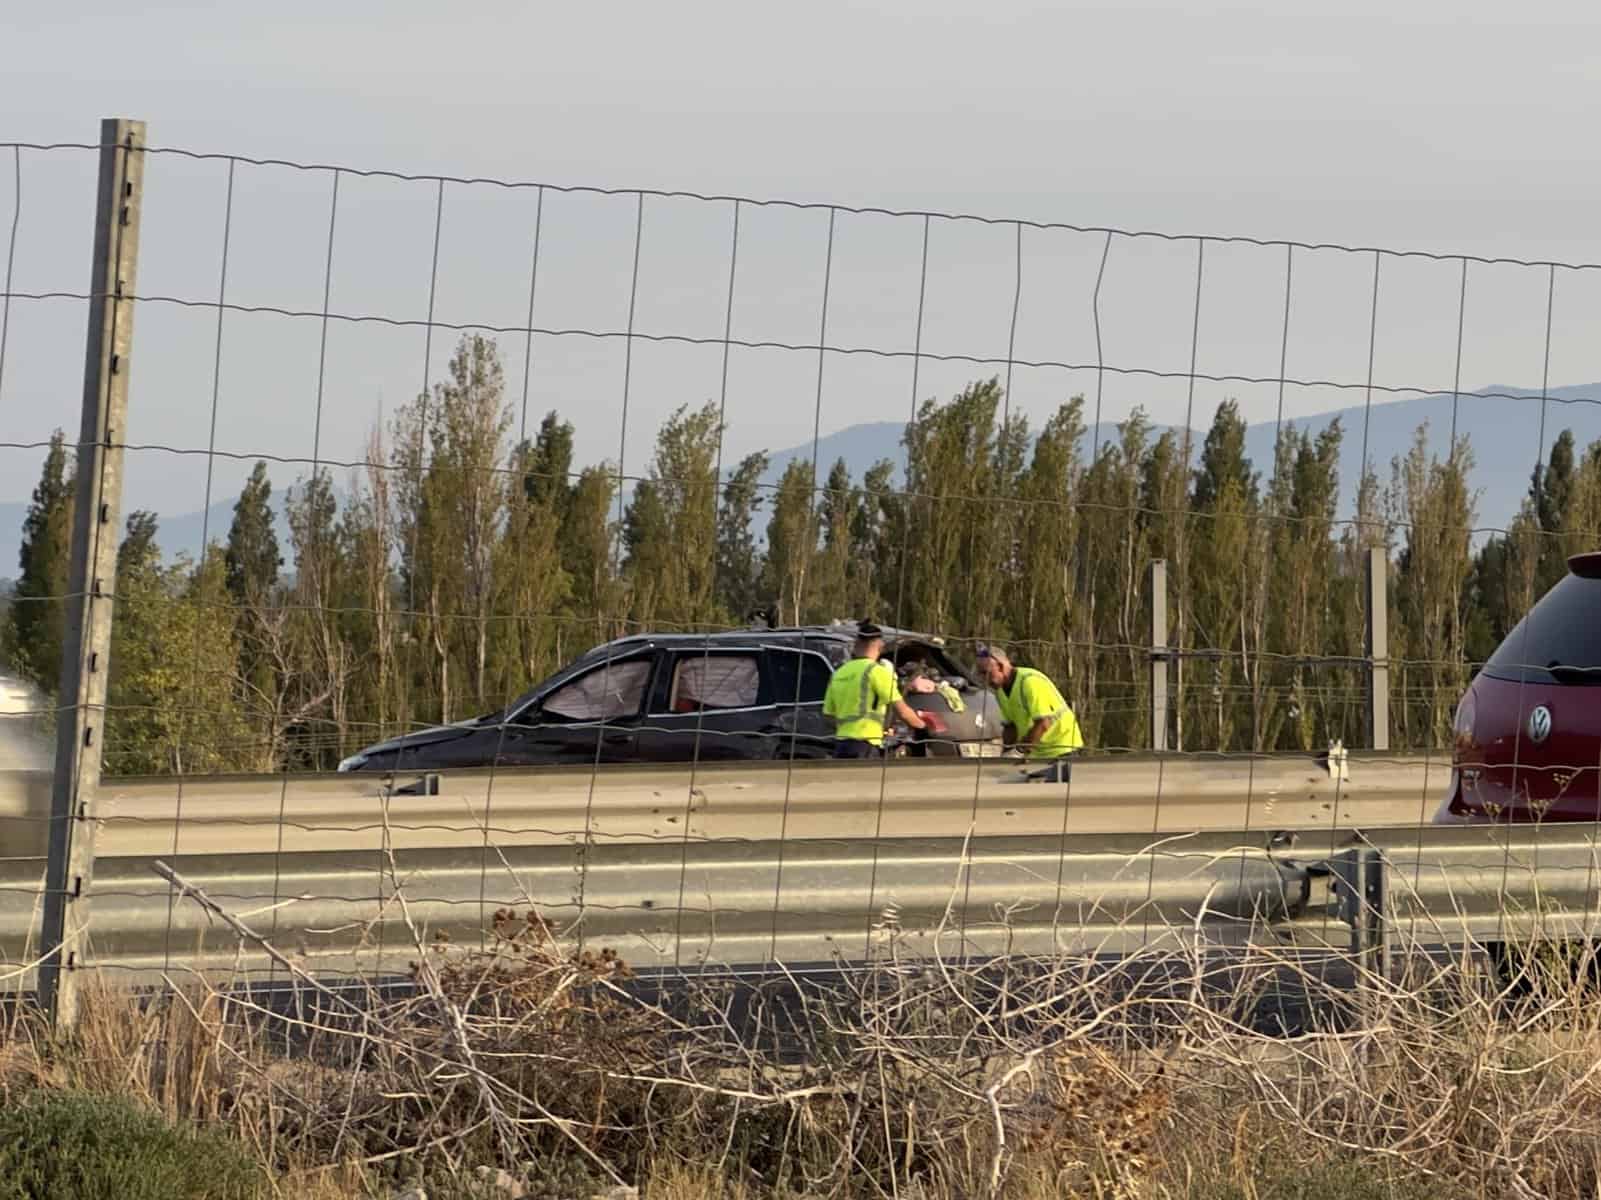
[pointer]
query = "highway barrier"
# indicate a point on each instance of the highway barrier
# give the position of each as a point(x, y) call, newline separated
point(753, 801)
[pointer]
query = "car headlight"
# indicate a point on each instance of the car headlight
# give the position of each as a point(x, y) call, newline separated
point(354, 763)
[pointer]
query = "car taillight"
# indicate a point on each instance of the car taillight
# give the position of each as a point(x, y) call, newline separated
point(1462, 727)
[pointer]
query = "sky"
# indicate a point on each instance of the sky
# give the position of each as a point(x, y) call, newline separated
point(1447, 128)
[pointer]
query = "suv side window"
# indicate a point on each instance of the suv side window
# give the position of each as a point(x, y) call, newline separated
point(702, 682)
point(608, 692)
point(798, 673)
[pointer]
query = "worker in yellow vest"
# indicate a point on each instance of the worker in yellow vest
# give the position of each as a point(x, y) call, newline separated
point(1038, 720)
point(860, 696)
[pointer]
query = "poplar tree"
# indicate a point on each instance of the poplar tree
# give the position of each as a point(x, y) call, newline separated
point(739, 562)
point(791, 544)
point(35, 624)
point(836, 557)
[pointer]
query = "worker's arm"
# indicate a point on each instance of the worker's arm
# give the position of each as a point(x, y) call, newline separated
point(909, 715)
point(1043, 721)
point(1037, 730)
point(889, 693)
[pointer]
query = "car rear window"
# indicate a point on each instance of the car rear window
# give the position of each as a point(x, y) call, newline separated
point(1559, 641)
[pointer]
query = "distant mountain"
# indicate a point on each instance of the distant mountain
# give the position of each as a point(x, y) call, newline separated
point(179, 533)
point(1503, 423)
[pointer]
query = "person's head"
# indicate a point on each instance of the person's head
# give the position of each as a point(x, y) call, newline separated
point(993, 665)
point(869, 640)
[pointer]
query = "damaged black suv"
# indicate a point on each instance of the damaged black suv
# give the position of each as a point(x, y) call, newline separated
point(666, 698)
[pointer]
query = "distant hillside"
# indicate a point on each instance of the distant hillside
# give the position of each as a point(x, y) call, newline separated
point(1504, 427)
point(180, 533)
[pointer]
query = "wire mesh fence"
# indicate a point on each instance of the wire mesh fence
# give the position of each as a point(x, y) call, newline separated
point(489, 543)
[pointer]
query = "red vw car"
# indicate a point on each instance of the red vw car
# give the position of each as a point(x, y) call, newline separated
point(1528, 729)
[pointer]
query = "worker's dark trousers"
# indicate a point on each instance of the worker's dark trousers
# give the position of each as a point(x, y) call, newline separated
point(856, 748)
point(1057, 771)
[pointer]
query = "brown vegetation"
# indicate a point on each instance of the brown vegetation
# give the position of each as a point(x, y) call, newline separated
point(913, 1079)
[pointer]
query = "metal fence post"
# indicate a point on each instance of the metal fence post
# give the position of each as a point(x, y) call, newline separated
point(1159, 656)
point(1378, 648)
point(86, 653)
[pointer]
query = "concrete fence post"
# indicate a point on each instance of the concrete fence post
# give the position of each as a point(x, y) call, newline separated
point(86, 652)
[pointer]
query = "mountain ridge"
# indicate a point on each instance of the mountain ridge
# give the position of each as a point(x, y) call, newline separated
point(1504, 437)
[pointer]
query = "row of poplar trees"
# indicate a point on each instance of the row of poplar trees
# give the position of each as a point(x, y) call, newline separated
point(461, 565)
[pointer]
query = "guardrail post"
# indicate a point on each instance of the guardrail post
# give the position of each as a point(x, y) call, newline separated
point(86, 653)
point(1358, 878)
point(1378, 648)
point(1159, 657)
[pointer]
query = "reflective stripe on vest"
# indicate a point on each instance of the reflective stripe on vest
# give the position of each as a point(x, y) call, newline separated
point(864, 691)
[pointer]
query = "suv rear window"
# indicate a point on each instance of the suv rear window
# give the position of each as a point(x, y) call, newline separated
point(1559, 641)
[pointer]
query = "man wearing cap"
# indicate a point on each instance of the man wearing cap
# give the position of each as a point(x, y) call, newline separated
point(860, 695)
point(1039, 722)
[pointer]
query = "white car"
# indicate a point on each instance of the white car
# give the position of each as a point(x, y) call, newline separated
point(16, 697)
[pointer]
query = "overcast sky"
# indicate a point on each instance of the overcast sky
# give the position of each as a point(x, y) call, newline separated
point(1453, 128)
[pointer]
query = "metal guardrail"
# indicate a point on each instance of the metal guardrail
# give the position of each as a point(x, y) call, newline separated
point(1480, 885)
point(818, 864)
point(700, 905)
point(751, 801)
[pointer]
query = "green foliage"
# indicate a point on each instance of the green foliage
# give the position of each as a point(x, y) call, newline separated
point(1044, 549)
point(548, 465)
point(31, 636)
point(878, 545)
point(587, 539)
point(962, 466)
point(58, 1145)
point(462, 567)
point(670, 529)
point(1432, 580)
point(1344, 1179)
point(739, 559)
point(792, 544)
point(172, 693)
point(253, 558)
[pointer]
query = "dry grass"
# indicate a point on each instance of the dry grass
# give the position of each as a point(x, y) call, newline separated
point(922, 1081)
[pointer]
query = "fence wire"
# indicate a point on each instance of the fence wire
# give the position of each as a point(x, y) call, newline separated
point(490, 600)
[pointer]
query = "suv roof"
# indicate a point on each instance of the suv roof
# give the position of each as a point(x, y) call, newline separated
point(842, 631)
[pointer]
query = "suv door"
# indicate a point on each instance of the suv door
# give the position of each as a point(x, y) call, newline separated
point(800, 681)
point(592, 717)
point(708, 704)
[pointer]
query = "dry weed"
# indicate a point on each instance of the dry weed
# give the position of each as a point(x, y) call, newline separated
point(910, 1079)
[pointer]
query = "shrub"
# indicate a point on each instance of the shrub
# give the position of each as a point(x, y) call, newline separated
point(54, 1145)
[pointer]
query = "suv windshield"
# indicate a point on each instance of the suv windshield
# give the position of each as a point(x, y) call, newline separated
point(1559, 641)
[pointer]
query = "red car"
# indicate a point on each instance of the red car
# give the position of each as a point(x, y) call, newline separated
point(1528, 730)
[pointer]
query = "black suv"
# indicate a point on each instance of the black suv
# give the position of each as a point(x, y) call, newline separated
point(745, 694)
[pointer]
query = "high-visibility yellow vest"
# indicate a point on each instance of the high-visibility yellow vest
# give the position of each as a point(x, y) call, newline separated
point(1031, 698)
point(858, 698)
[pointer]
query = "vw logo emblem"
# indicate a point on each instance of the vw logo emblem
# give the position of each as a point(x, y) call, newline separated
point(1539, 724)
